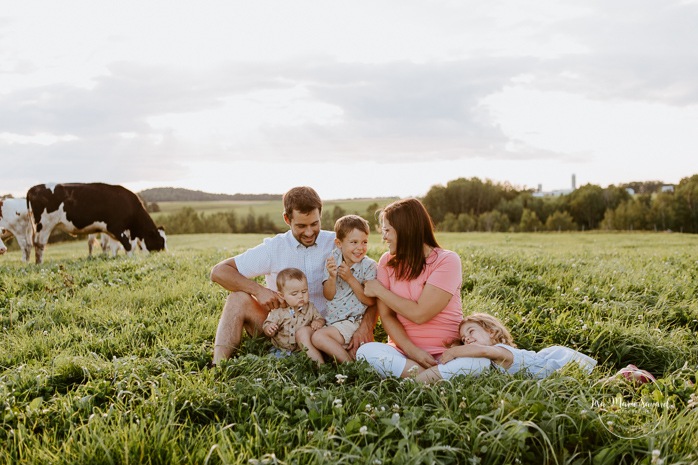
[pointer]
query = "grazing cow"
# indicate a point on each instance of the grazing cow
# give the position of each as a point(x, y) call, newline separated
point(15, 220)
point(106, 242)
point(89, 208)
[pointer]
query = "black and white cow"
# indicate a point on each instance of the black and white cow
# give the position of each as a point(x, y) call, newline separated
point(88, 208)
point(16, 221)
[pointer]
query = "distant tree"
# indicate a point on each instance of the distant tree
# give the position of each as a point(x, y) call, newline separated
point(662, 214)
point(266, 225)
point(250, 225)
point(560, 221)
point(436, 204)
point(686, 195)
point(614, 196)
point(184, 221)
point(448, 224)
point(588, 206)
point(371, 216)
point(329, 217)
point(512, 208)
point(493, 221)
point(530, 221)
point(231, 220)
point(630, 215)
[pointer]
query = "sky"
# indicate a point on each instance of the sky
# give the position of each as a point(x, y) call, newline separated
point(356, 99)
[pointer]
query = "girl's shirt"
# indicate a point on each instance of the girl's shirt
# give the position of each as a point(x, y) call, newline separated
point(443, 270)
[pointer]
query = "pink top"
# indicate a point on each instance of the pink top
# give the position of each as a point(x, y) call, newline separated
point(442, 270)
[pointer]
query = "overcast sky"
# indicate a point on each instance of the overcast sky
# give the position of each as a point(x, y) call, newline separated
point(355, 98)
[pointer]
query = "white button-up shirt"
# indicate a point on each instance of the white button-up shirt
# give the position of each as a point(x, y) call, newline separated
point(284, 251)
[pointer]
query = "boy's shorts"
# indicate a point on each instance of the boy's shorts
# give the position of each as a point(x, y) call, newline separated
point(346, 328)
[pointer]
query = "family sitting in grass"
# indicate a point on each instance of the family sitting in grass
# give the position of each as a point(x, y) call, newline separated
point(415, 289)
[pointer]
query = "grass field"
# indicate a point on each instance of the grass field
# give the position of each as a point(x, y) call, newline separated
point(105, 361)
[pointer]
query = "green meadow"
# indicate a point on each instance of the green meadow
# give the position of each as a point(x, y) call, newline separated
point(105, 361)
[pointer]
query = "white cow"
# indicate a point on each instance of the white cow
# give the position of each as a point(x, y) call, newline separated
point(15, 220)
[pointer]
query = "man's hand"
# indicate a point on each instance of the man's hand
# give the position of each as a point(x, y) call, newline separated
point(271, 330)
point(269, 299)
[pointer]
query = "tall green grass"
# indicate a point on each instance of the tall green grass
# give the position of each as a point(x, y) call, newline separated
point(105, 361)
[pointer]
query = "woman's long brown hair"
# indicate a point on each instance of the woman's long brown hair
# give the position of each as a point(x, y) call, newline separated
point(414, 228)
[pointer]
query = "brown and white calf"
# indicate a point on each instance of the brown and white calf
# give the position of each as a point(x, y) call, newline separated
point(106, 243)
point(94, 207)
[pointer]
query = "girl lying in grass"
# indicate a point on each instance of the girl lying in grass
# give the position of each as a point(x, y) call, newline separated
point(485, 340)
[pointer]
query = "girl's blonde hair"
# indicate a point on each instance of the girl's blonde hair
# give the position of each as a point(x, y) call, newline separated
point(500, 334)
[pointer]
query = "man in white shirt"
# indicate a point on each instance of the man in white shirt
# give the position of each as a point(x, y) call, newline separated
point(305, 247)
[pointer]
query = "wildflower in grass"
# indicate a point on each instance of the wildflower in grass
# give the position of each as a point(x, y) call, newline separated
point(337, 403)
point(340, 378)
point(656, 460)
point(395, 419)
point(363, 430)
point(693, 401)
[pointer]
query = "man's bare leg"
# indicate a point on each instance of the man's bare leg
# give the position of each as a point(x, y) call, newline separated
point(241, 311)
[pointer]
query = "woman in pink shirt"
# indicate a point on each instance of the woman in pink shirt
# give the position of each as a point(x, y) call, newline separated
point(418, 294)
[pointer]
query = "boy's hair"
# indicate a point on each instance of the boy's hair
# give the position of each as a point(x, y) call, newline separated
point(348, 223)
point(414, 228)
point(303, 199)
point(500, 334)
point(288, 274)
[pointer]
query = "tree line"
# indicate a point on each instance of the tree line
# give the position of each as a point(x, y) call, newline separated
point(188, 221)
point(465, 205)
point(475, 205)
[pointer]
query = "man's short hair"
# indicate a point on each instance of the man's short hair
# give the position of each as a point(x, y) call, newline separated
point(346, 224)
point(303, 199)
point(288, 274)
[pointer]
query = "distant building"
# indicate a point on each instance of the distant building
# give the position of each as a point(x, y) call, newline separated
point(558, 192)
point(668, 188)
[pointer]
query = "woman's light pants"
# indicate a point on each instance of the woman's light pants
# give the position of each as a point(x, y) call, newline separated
point(388, 361)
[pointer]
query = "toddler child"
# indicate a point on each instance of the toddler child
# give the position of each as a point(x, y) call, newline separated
point(347, 269)
point(293, 325)
point(485, 342)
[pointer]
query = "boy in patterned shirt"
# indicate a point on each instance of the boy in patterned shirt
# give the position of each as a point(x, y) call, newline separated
point(291, 328)
point(347, 269)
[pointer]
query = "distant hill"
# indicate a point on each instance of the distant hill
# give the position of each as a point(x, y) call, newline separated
point(177, 194)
